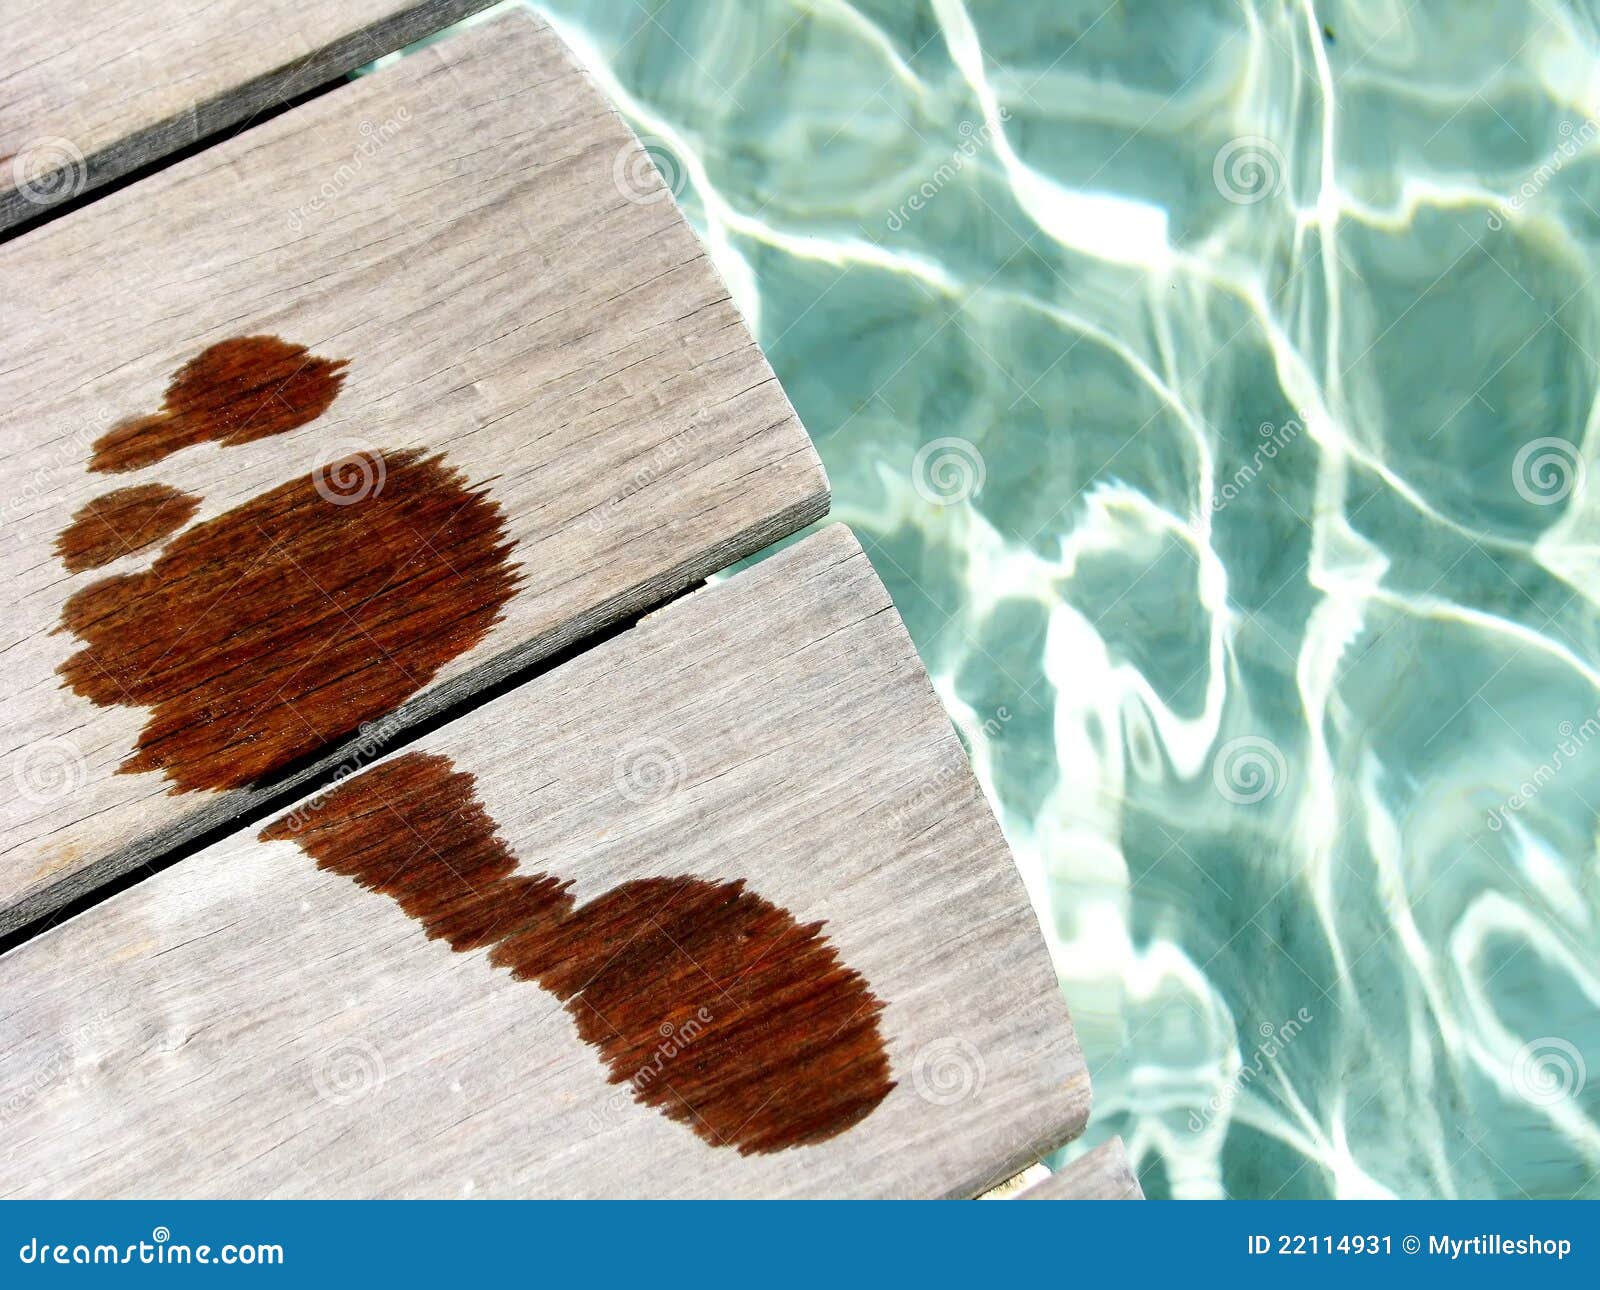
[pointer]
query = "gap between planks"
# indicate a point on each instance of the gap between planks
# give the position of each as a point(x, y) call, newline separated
point(481, 290)
point(805, 754)
point(77, 120)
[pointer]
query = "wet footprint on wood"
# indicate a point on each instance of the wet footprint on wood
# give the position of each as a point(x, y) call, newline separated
point(777, 1041)
point(278, 627)
point(259, 636)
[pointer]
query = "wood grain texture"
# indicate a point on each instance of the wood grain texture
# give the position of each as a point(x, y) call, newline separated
point(93, 92)
point(249, 1022)
point(431, 279)
point(787, 1048)
point(1101, 1174)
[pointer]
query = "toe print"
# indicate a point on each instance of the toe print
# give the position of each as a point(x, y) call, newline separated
point(121, 523)
point(251, 387)
point(261, 635)
point(282, 625)
point(791, 1053)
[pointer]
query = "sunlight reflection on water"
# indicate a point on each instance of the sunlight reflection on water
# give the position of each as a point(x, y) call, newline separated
point(1213, 385)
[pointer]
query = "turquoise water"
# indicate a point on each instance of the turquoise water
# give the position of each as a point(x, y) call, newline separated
point(1213, 384)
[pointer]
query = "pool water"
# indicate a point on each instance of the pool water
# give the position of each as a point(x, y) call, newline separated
point(1213, 384)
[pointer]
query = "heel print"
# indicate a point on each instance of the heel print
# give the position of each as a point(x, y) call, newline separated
point(791, 1053)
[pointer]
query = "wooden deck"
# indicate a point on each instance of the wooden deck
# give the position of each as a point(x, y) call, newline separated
point(760, 907)
point(89, 101)
point(1102, 1174)
point(376, 414)
point(352, 458)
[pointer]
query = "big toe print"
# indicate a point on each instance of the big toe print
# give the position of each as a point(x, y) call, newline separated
point(775, 1042)
point(282, 625)
point(237, 390)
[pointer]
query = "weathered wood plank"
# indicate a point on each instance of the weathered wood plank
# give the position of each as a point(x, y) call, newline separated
point(92, 94)
point(1101, 1174)
point(374, 404)
point(272, 1017)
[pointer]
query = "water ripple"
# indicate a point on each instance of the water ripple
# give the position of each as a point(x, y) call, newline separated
point(1254, 347)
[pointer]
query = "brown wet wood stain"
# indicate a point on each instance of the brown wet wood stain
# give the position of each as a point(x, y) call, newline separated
point(121, 523)
point(238, 390)
point(283, 624)
point(775, 1043)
